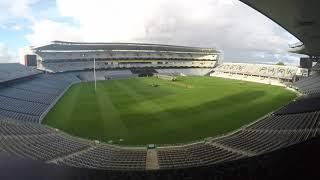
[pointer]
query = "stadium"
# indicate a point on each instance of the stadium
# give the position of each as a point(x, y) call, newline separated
point(139, 111)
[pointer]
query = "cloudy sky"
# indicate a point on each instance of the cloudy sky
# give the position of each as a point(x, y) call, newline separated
point(243, 34)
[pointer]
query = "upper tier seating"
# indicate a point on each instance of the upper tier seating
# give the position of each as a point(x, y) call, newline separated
point(78, 61)
point(185, 71)
point(88, 65)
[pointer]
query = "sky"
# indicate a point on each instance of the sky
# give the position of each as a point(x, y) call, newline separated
point(240, 32)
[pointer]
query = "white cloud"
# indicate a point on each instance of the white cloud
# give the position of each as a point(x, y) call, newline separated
point(263, 57)
point(5, 55)
point(12, 57)
point(2, 26)
point(45, 31)
point(228, 25)
point(10, 9)
point(221, 23)
point(16, 27)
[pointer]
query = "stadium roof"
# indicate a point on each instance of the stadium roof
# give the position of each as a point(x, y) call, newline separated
point(300, 18)
point(85, 46)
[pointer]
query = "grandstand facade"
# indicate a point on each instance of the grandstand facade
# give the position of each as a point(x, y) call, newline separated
point(62, 56)
point(262, 73)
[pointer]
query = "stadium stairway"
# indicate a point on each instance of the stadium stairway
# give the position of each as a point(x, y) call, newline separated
point(58, 159)
point(239, 151)
point(152, 160)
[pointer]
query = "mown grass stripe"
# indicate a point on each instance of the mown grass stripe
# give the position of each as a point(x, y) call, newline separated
point(133, 110)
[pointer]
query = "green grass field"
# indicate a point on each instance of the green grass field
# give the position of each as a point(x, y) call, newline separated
point(174, 112)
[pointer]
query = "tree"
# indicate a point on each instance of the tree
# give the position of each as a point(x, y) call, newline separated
point(280, 63)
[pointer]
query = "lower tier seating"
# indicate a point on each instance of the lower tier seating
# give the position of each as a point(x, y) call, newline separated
point(41, 147)
point(309, 85)
point(194, 155)
point(258, 142)
point(301, 105)
point(27, 99)
point(107, 157)
point(309, 120)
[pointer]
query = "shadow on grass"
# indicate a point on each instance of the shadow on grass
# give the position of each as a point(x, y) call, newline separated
point(227, 102)
point(180, 124)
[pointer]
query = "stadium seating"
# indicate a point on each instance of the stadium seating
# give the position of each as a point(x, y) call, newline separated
point(19, 116)
point(262, 73)
point(316, 67)
point(28, 99)
point(309, 85)
point(66, 66)
point(300, 121)
point(108, 157)
point(54, 58)
point(11, 127)
point(12, 71)
point(274, 71)
point(198, 154)
point(102, 75)
point(29, 96)
point(185, 71)
point(42, 146)
point(42, 143)
point(24, 101)
point(301, 104)
point(265, 80)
